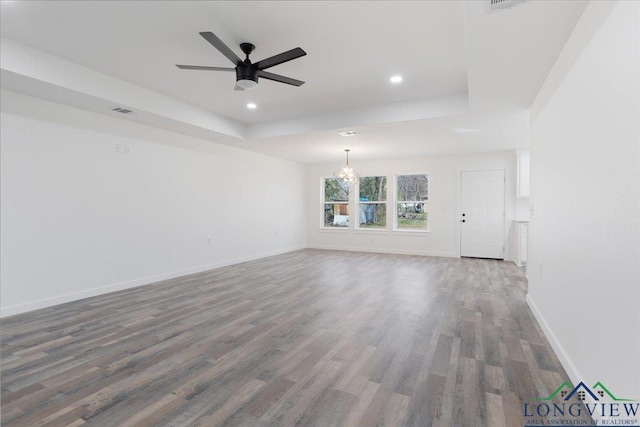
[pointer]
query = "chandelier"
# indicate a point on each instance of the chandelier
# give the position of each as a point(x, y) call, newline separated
point(347, 172)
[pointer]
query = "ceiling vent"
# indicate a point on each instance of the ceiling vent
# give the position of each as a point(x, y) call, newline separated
point(502, 4)
point(121, 110)
point(348, 133)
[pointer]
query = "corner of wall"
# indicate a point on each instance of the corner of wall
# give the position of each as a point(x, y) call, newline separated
point(566, 362)
point(592, 18)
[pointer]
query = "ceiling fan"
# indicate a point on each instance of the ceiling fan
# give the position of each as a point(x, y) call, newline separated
point(247, 73)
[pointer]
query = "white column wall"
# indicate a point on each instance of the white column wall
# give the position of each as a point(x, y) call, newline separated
point(584, 250)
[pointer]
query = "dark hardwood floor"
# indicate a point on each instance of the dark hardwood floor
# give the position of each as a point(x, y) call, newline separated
point(309, 338)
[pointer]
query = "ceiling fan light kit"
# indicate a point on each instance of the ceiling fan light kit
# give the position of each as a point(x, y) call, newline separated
point(247, 82)
point(248, 73)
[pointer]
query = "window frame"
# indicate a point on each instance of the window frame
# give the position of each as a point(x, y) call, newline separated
point(323, 202)
point(374, 202)
point(396, 202)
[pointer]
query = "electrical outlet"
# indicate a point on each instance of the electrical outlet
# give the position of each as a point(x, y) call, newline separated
point(123, 149)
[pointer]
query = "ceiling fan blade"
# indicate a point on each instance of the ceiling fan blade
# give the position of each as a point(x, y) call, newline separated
point(223, 48)
point(280, 58)
point(200, 67)
point(238, 87)
point(279, 78)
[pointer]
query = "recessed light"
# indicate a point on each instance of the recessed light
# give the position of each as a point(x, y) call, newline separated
point(252, 106)
point(348, 133)
point(395, 79)
point(466, 130)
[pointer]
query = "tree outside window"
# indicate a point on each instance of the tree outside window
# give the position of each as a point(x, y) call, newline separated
point(336, 203)
point(412, 202)
point(372, 212)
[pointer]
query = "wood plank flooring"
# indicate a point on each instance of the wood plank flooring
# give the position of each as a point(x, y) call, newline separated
point(309, 338)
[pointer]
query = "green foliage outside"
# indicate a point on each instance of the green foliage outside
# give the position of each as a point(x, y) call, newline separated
point(414, 191)
point(417, 223)
point(412, 195)
point(412, 216)
point(413, 187)
point(373, 188)
point(336, 190)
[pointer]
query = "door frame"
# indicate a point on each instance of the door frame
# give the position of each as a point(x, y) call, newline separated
point(459, 210)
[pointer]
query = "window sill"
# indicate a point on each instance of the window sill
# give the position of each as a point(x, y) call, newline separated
point(334, 229)
point(385, 232)
point(372, 230)
point(412, 232)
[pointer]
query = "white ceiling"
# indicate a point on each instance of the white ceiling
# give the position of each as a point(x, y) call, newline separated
point(352, 48)
point(447, 51)
point(455, 134)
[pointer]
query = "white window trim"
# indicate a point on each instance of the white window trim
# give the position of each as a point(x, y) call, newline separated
point(358, 203)
point(391, 207)
point(334, 229)
point(324, 202)
point(407, 231)
point(375, 231)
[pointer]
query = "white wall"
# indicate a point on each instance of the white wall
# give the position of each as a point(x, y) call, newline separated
point(584, 253)
point(444, 194)
point(79, 219)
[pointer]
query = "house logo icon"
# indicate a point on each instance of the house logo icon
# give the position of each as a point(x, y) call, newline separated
point(582, 392)
point(567, 404)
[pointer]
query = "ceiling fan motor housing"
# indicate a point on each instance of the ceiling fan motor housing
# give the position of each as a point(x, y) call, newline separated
point(246, 72)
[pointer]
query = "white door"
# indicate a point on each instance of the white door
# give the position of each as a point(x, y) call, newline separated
point(482, 214)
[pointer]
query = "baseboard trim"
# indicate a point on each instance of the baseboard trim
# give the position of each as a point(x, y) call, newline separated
point(555, 344)
point(62, 299)
point(384, 251)
point(566, 362)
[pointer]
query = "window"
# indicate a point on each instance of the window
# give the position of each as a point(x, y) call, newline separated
point(412, 192)
point(372, 202)
point(336, 203)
